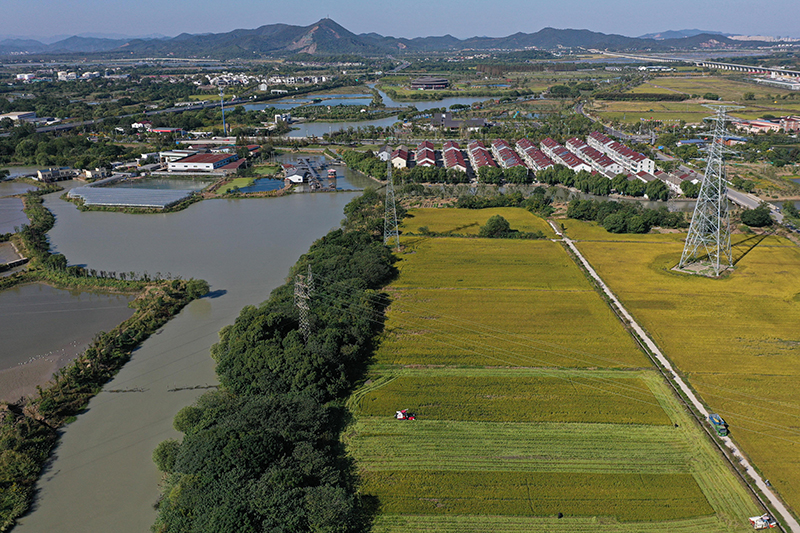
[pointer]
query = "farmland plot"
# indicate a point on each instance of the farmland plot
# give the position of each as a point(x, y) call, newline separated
point(743, 347)
point(532, 399)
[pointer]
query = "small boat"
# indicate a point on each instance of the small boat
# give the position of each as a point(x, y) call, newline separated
point(331, 173)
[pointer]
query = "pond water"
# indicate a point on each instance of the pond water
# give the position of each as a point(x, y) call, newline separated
point(14, 172)
point(164, 183)
point(11, 214)
point(346, 179)
point(318, 129)
point(103, 477)
point(327, 99)
point(41, 324)
point(10, 188)
point(424, 105)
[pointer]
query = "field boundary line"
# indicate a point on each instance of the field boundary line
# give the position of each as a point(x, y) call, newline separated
point(675, 379)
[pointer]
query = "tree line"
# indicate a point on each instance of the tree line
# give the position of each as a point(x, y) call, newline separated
point(625, 217)
point(263, 452)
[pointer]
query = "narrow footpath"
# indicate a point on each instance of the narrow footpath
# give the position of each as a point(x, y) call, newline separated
point(776, 503)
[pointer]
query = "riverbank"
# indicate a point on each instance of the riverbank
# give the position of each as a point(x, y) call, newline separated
point(29, 426)
point(103, 477)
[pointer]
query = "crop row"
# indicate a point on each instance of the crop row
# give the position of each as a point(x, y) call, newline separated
point(519, 524)
point(627, 497)
point(557, 398)
point(469, 221)
point(386, 444)
point(505, 328)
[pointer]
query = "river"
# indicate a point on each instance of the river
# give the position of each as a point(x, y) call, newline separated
point(103, 478)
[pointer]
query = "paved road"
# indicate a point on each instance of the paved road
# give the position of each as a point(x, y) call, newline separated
point(783, 512)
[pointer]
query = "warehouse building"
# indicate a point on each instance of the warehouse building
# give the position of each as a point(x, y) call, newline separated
point(201, 162)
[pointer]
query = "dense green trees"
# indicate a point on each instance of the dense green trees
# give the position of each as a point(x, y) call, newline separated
point(262, 454)
point(624, 217)
point(758, 217)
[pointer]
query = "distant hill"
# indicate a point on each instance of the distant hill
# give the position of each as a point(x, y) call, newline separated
point(326, 37)
point(680, 34)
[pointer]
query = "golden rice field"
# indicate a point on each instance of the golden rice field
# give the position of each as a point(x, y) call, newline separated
point(727, 89)
point(737, 339)
point(522, 396)
point(502, 303)
point(469, 221)
point(532, 400)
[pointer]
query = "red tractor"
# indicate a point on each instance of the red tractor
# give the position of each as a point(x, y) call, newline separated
point(405, 415)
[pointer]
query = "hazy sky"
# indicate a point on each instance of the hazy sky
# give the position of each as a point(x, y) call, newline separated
point(461, 18)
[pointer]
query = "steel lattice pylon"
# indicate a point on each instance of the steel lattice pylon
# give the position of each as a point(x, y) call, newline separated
point(709, 238)
point(391, 233)
point(303, 288)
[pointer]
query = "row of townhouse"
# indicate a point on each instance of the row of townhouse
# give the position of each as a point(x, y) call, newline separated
point(598, 160)
point(453, 157)
point(559, 154)
point(631, 160)
point(534, 158)
point(425, 155)
point(479, 156)
point(504, 154)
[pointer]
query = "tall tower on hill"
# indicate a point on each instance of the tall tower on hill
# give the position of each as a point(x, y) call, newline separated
point(708, 244)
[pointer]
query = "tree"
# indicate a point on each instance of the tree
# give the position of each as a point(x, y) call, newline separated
point(758, 217)
point(496, 227)
point(657, 190)
point(749, 96)
point(689, 189)
point(789, 209)
point(615, 223)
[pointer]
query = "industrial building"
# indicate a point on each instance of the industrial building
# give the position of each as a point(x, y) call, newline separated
point(20, 116)
point(201, 162)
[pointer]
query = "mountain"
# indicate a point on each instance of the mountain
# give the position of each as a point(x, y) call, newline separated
point(680, 34)
point(326, 37)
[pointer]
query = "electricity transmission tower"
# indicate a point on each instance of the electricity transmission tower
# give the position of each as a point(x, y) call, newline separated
point(222, 106)
point(391, 233)
point(709, 240)
point(303, 288)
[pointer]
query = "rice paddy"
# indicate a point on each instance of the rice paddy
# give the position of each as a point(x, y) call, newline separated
point(531, 400)
point(735, 338)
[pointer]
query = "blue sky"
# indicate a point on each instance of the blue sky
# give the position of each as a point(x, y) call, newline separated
point(462, 18)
